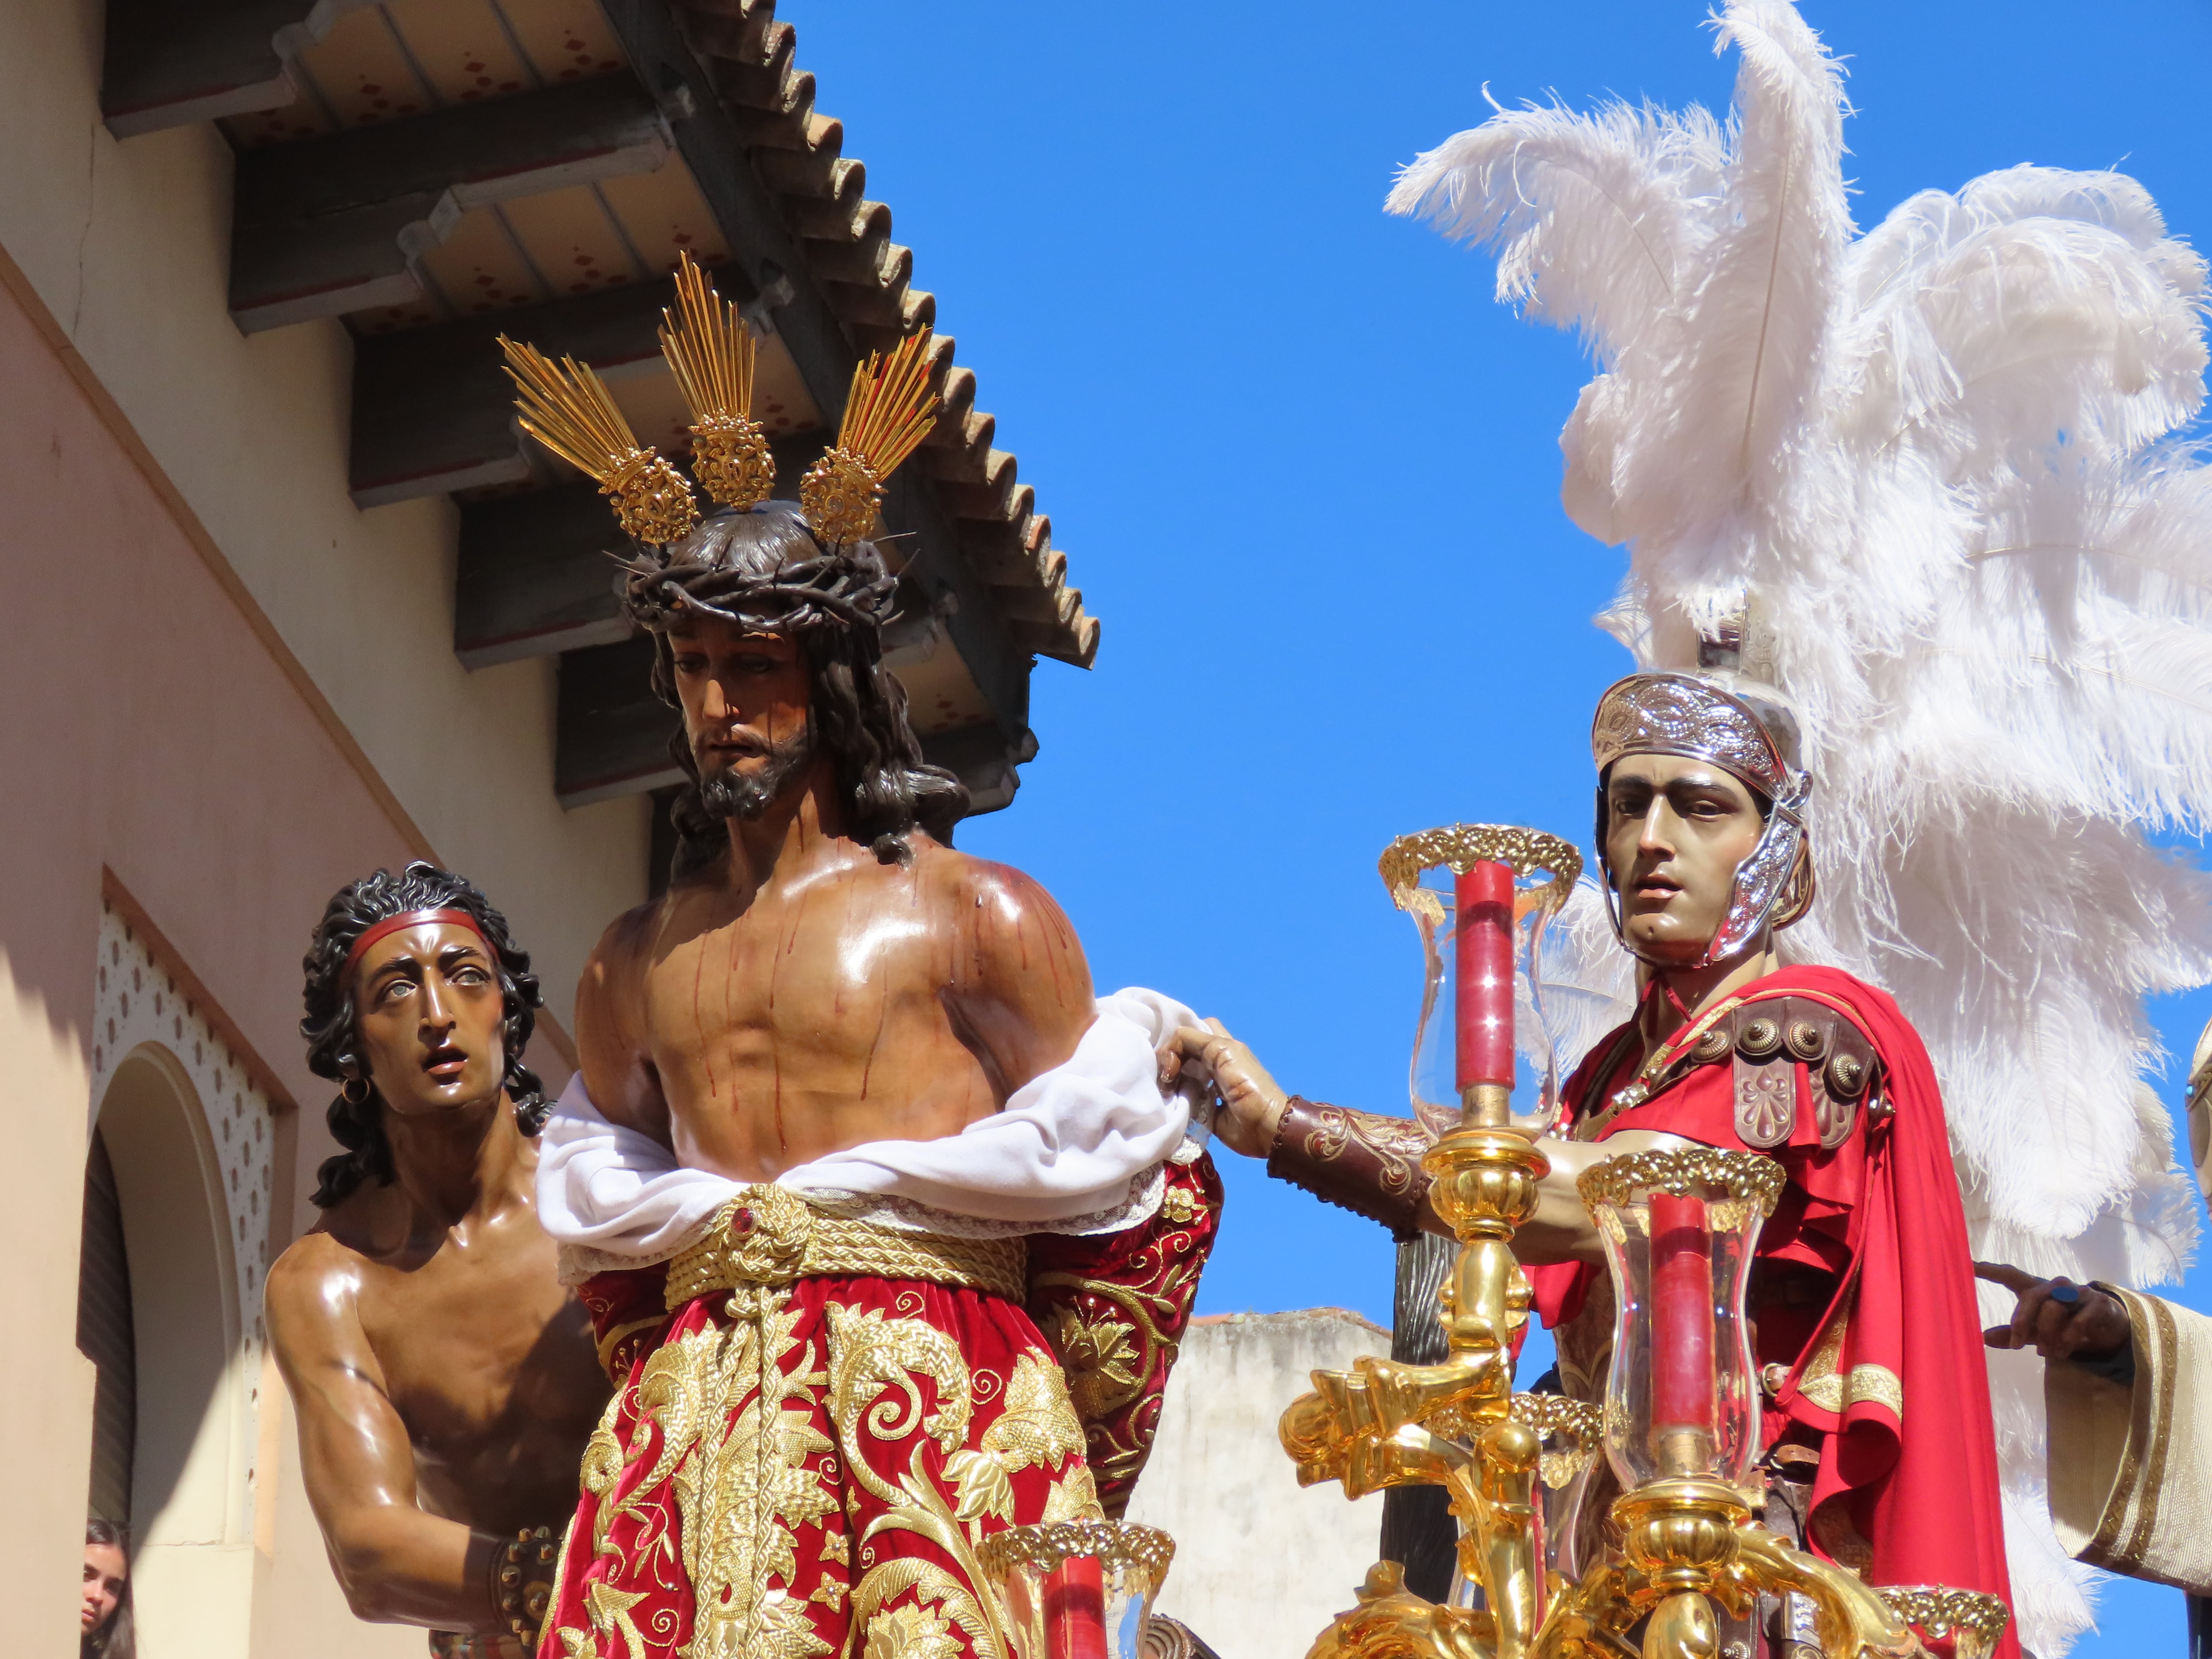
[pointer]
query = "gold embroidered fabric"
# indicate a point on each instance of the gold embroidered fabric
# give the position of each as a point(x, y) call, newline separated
point(1833, 1389)
point(769, 1234)
point(769, 1459)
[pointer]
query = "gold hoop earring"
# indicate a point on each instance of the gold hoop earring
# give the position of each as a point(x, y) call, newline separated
point(346, 1093)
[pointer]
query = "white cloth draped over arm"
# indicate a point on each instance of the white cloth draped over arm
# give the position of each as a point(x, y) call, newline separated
point(2131, 1464)
point(1077, 1149)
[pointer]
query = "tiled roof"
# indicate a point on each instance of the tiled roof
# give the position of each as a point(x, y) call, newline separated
point(798, 154)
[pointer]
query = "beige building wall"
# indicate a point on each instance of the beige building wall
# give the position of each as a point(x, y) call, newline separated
point(1262, 1565)
point(126, 243)
point(227, 692)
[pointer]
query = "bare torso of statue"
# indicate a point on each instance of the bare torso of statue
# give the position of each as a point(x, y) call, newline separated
point(444, 1380)
point(753, 1027)
point(485, 1357)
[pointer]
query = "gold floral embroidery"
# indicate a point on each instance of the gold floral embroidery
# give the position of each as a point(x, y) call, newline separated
point(837, 1548)
point(912, 1632)
point(1039, 1425)
point(875, 1400)
point(732, 1406)
point(1074, 1496)
point(1099, 1356)
point(742, 1497)
point(1104, 1377)
point(608, 1608)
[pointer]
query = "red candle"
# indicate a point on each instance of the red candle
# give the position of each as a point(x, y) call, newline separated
point(1681, 1315)
point(1075, 1609)
point(1484, 1013)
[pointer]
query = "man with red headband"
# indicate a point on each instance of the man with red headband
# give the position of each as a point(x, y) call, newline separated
point(1880, 1454)
point(444, 1382)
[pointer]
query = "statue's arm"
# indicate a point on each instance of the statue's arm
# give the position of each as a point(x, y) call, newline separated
point(397, 1564)
point(1370, 1163)
point(1021, 996)
point(612, 1046)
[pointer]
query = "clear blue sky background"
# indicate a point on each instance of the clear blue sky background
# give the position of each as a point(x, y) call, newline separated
point(1306, 470)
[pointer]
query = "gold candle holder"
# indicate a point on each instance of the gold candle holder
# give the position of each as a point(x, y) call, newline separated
point(1970, 1621)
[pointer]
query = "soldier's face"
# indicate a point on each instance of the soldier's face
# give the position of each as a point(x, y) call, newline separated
point(428, 1008)
point(745, 696)
point(1676, 829)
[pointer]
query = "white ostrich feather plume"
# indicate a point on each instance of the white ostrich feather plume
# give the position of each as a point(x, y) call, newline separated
point(1940, 458)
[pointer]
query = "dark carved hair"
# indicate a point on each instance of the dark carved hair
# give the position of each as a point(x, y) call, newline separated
point(119, 1637)
point(330, 1029)
point(766, 569)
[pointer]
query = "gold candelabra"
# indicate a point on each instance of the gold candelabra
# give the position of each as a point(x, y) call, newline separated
point(1689, 1537)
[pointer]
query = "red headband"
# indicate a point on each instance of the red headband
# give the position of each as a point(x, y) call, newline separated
point(403, 921)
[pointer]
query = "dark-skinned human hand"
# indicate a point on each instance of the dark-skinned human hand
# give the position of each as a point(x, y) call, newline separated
point(2059, 1319)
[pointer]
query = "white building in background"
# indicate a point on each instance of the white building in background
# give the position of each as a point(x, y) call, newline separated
point(1262, 1565)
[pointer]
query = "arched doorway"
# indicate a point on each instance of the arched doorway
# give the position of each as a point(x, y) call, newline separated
point(106, 1336)
point(189, 1488)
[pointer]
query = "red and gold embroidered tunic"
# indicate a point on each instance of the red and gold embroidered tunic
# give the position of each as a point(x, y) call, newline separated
point(816, 1421)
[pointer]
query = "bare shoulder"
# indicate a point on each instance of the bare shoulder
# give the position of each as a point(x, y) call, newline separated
point(312, 1291)
point(612, 975)
point(625, 945)
point(983, 884)
point(1022, 940)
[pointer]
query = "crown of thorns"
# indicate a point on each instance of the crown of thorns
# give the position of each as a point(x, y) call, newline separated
point(847, 582)
point(567, 407)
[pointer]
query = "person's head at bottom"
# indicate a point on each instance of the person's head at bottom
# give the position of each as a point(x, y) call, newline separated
point(105, 1625)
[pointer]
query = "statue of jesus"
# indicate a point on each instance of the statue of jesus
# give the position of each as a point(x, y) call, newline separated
point(860, 1176)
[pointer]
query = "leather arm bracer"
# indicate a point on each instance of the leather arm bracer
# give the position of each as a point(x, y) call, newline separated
point(1361, 1162)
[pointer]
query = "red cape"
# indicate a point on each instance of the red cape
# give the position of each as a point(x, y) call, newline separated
point(1880, 1212)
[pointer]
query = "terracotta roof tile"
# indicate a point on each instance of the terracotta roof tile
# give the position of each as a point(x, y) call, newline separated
point(868, 281)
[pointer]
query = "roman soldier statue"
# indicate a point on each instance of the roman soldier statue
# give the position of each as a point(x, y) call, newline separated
point(1920, 483)
point(1861, 1295)
point(887, 1229)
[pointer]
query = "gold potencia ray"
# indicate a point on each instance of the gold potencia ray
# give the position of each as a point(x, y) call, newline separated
point(710, 351)
point(888, 413)
point(567, 408)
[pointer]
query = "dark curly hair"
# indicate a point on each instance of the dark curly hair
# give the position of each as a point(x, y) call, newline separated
point(330, 1025)
point(765, 567)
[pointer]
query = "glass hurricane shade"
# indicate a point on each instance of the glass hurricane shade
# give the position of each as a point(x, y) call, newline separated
point(1482, 1016)
point(1678, 1230)
point(1077, 1589)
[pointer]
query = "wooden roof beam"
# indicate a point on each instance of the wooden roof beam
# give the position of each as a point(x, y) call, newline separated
point(171, 63)
point(337, 223)
point(432, 413)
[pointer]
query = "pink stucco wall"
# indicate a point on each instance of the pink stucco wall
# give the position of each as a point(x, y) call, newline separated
point(147, 729)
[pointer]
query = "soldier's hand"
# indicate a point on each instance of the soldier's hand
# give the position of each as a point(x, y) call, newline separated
point(2059, 1319)
point(1252, 1101)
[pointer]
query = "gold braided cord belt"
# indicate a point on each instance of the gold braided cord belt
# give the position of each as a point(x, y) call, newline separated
point(769, 1234)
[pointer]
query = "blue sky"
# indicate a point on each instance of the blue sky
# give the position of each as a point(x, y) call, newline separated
point(1306, 470)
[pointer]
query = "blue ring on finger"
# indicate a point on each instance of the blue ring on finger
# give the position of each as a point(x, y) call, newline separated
point(2068, 1294)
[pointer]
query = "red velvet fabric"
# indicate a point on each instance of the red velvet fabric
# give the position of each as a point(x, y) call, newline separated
point(1114, 1307)
point(905, 1423)
point(780, 1465)
point(1880, 1215)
